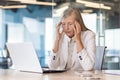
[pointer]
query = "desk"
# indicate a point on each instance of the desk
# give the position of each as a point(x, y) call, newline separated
point(68, 75)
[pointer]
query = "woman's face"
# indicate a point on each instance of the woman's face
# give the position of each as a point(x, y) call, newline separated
point(68, 24)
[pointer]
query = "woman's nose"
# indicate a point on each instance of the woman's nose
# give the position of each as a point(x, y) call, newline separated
point(67, 27)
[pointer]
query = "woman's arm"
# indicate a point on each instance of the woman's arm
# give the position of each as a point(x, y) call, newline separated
point(58, 37)
point(87, 54)
point(54, 58)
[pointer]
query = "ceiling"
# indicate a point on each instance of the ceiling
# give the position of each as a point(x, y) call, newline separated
point(115, 4)
point(12, 2)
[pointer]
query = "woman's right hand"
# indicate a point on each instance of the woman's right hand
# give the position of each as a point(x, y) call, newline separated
point(58, 33)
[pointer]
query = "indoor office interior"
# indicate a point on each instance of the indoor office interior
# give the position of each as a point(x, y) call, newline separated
point(36, 23)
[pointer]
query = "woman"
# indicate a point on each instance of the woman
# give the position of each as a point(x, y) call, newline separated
point(74, 46)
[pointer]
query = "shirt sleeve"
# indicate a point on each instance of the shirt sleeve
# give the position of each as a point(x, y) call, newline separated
point(87, 55)
point(54, 60)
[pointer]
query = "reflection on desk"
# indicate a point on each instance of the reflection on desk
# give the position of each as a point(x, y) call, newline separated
point(68, 75)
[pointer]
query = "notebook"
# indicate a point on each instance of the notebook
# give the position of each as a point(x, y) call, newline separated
point(24, 58)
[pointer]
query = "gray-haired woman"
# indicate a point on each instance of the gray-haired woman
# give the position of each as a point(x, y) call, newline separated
point(74, 47)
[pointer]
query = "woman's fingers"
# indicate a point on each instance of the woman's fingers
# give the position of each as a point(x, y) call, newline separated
point(58, 31)
point(58, 26)
point(78, 28)
point(74, 28)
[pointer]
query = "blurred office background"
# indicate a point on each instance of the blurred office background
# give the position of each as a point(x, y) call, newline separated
point(34, 21)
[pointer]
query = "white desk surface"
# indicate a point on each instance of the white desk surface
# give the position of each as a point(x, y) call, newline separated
point(68, 75)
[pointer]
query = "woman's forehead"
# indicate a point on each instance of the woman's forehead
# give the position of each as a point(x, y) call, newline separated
point(69, 18)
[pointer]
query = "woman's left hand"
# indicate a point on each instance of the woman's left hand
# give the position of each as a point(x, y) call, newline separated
point(77, 36)
point(77, 31)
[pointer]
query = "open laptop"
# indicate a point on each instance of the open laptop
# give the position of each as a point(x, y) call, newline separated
point(24, 58)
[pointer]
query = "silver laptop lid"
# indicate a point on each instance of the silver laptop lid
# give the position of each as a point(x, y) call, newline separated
point(24, 57)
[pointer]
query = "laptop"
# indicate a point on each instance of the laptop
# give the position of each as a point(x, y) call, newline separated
point(24, 58)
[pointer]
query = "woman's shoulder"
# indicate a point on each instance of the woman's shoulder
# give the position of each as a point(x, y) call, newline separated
point(88, 32)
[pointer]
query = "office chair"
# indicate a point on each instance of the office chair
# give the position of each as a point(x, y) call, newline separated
point(100, 52)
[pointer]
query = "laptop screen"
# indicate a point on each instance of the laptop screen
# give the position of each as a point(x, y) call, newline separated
point(24, 57)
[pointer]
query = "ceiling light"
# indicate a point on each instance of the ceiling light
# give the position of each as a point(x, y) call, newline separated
point(36, 2)
point(98, 6)
point(88, 11)
point(93, 4)
point(39, 3)
point(0, 6)
point(13, 6)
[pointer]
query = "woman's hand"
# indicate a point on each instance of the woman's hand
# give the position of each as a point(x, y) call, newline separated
point(58, 33)
point(77, 31)
point(77, 36)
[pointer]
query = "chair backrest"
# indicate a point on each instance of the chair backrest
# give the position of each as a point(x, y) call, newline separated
point(100, 52)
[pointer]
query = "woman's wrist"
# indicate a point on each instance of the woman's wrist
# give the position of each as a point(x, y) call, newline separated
point(57, 38)
point(56, 45)
point(54, 50)
point(79, 46)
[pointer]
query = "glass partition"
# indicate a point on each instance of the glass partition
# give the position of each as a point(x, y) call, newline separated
point(103, 17)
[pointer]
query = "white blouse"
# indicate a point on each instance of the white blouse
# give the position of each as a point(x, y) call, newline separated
point(67, 56)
